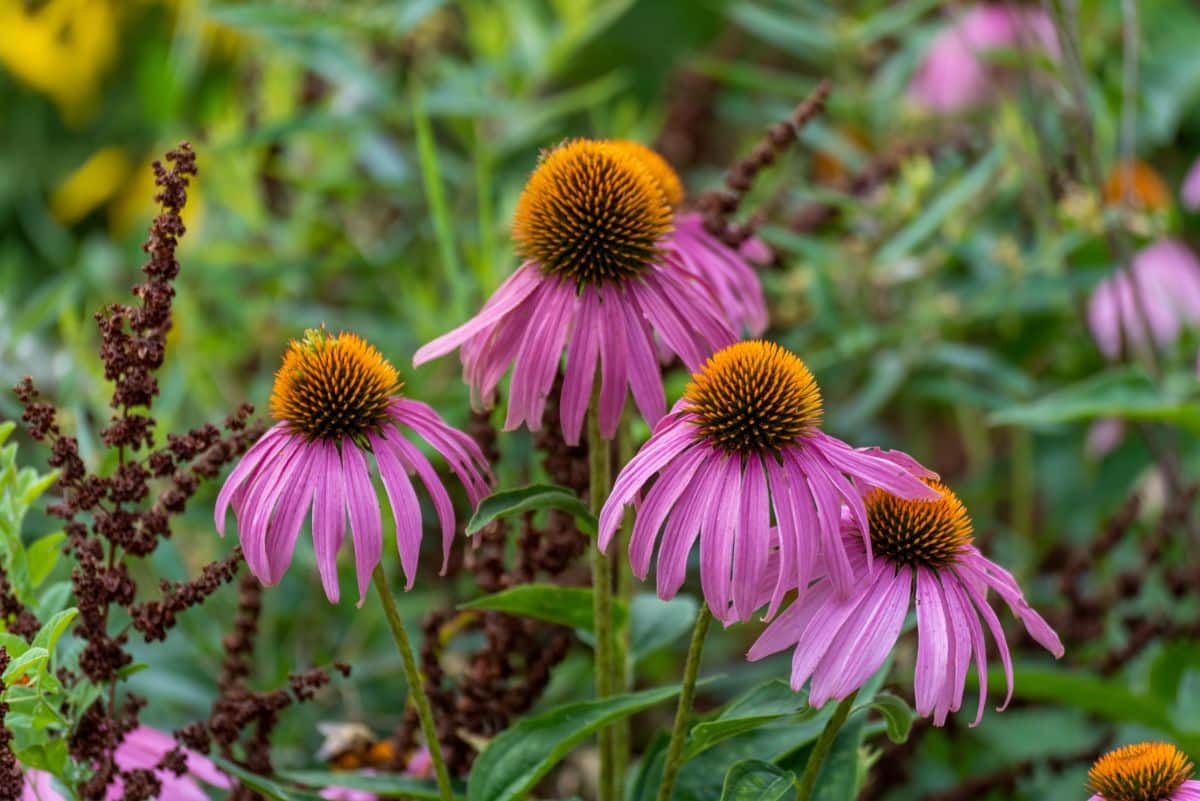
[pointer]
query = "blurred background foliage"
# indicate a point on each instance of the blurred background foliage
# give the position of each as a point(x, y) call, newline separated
point(359, 163)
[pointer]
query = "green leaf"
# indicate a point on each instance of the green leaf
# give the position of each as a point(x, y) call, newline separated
point(36, 485)
point(32, 660)
point(382, 784)
point(1103, 698)
point(947, 203)
point(261, 784)
point(838, 779)
point(1125, 392)
point(755, 780)
point(47, 636)
point(763, 704)
point(656, 623)
point(567, 606)
point(520, 756)
point(896, 713)
point(42, 556)
point(534, 497)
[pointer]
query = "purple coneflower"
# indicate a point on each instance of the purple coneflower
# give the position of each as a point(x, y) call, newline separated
point(726, 270)
point(1190, 191)
point(143, 749)
point(954, 73)
point(337, 401)
point(1163, 296)
point(1143, 772)
point(600, 279)
point(841, 641)
point(744, 442)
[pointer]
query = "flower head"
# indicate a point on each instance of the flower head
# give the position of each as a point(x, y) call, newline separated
point(726, 271)
point(1143, 772)
point(601, 280)
point(743, 447)
point(143, 749)
point(840, 641)
point(337, 402)
point(1137, 183)
point(1162, 299)
point(954, 73)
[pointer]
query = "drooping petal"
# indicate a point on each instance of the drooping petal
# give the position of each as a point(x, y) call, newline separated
point(683, 527)
point(258, 453)
point(1190, 191)
point(261, 498)
point(329, 518)
point(538, 356)
point(515, 289)
point(294, 504)
point(460, 451)
point(416, 461)
point(406, 510)
point(645, 378)
point(659, 502)
point(583, 357)
point(866, 638)
point(933, 643)
point(753, 540)
point(990, 574)
point(366, 530)
point(614, 361)
point(717, 536)
point(786, 630)
point(669, 439)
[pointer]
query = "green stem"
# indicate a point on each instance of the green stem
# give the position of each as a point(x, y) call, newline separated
point(416, 684)
point(821, 750)
point(679, 731)
point(599, 485)
point(622, 659)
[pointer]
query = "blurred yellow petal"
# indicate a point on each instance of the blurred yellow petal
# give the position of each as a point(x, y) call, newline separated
point(92, 184)
point(62, 48)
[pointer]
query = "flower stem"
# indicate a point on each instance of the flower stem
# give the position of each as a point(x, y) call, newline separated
point(416, 684)
point(622, 659)
point(683, 711)
point(599, 485)
point(821, 750)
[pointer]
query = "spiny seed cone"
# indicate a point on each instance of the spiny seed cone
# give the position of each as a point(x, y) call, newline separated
point(754, 397)
point(331, 387)
point(591, 212)
point(918, 532)
point(1140, 772)
point(664, 174)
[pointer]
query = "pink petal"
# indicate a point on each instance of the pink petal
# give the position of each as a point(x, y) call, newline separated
point(329, 519)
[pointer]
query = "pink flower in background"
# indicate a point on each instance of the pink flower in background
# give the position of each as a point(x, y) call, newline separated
point(600, 280)
point(955, 74)
point(420, 765)
point(840, 641)
point(337, 400)
point(1190, 191)
point(142, 749)
point(1167, 280)
point(743, 441)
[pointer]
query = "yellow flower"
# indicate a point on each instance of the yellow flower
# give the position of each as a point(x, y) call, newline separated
point(94, 182)
point(61, 48)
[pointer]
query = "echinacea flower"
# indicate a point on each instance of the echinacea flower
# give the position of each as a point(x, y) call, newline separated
point(841, 641)
point(143, 749)
point(599, 280)
point(954, 73)
point(1189, 193)
point(1163, 297)
point(726, 270)
point(1143, 772)
point(744, 442)
point(337, 401)
point(1137, 183)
